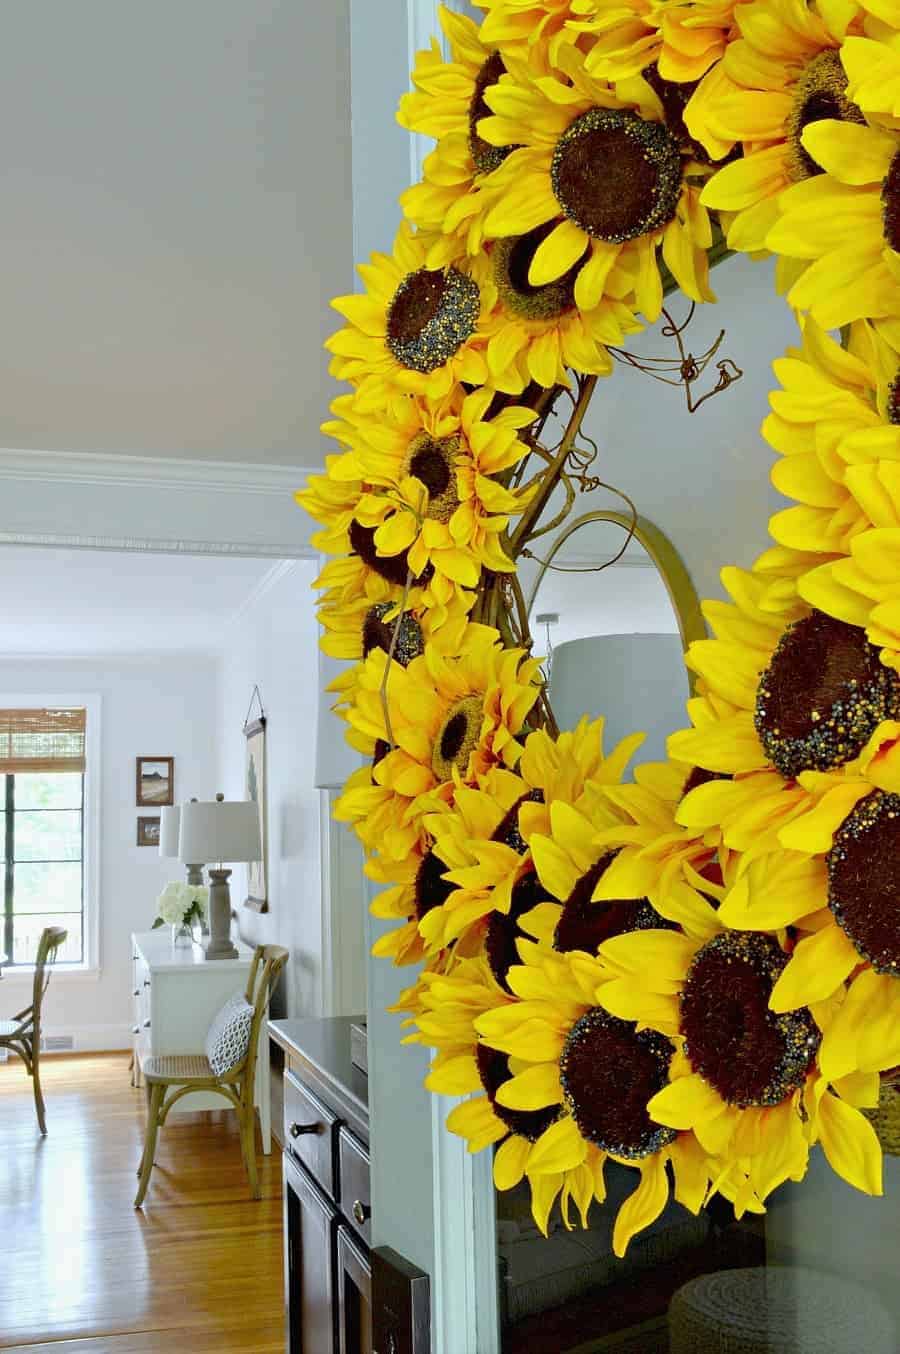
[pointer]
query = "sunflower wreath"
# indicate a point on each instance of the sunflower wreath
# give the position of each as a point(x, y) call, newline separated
point(726, 925)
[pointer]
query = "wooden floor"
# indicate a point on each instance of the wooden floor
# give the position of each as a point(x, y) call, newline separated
point(81, 1272)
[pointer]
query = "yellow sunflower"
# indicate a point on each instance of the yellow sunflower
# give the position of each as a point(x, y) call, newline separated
point(415, 330)
point(864, 590)
point(846, 221)
point(873, 64)
point(524, 26)
point(800, 691)
point(608, 176)
point(744, 1078)
point(558, 1054)
point(682, 37)
point(833, 425)
point(485, 842)
point(780, 76)
point(435, 496)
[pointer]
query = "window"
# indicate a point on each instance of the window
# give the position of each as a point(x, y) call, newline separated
point(42, 830)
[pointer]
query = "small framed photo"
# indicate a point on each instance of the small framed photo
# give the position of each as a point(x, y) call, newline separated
point(255, 764)
point(148, 832)
point(155, 782)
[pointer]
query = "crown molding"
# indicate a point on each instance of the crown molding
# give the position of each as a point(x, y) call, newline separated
point(159, 472)
point(54, 540)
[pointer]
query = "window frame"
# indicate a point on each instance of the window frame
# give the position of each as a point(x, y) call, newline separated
point(90, 965)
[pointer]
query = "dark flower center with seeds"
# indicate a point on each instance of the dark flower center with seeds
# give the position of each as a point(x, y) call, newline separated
point(431, 888)
point(457, 737)
point(503, 927)
point(512, 260)
point(890, 214)
point(507, 830)
point(742, 1049)
point(485, 156)
point(609, 1071)
point(864, 880)
point(380, 634)
point(432, 314)
point(821, 92)
point(616, 175)
point(893, 400)
point(432, 460)
point(392, 568)
point(822, 696)
point(493, 1068)
point(584, 925)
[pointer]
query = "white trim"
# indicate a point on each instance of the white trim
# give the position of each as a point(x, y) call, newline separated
point(159, 546)
point(465, 1316)
point(423, 24)
point(330, 982)
point(92, 900)
point(270, 578)
point(160, 472)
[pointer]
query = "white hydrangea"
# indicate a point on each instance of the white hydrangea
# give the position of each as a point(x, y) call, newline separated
point(182, 902)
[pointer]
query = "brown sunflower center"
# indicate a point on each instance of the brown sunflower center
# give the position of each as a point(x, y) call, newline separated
point(431, 888)
point(820, 92)
point(512, 258)
point(609, 1071)
point(507, 830)
point(493, 1068)
point(584, 925)
point(433, 461)
point(864, 880)
point(822, 696)
point(377, 633)
point(893, 400)
point(503, 927)
point(432, 314)
point(485, 156)
point(393, 568)
point(616, 175)
point(890, 209)
point(457, 737)
point(747, 1053)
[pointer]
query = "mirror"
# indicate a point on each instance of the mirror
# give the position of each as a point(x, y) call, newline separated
point(614, 608)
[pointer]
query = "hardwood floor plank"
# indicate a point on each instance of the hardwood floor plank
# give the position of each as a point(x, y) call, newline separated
point(199, 1269)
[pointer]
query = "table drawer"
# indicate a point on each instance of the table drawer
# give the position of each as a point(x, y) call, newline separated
point(309, 1131)
point(356, 1195)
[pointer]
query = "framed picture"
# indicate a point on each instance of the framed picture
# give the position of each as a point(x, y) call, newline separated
point(155, 782)
point(255, 734)
point(148, 832)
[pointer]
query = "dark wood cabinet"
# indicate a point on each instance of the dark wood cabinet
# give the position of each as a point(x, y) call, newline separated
point(310, 1224)
point(354, 1294)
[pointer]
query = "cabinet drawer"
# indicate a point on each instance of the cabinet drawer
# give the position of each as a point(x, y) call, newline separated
point(355, 1196)
point(309, 1131)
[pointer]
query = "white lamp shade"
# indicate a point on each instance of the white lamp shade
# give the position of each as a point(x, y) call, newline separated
point(219, 830)
point(170, 822)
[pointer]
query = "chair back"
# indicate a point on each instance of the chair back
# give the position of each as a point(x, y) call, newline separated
point(52, 938)
point(265, 970)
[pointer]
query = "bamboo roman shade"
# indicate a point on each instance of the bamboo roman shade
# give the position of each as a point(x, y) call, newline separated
point(42, 740)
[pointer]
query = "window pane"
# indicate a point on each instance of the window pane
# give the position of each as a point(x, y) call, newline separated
point(40, 790)
point(27, 932)
point(55, 835)
point(40, 888)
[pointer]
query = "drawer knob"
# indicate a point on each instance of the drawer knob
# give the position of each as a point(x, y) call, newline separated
point(136, 992)
point(146, 982)
point(361, 1212)
point(135, 1029)
point(297, 1130)
point(146, 1024)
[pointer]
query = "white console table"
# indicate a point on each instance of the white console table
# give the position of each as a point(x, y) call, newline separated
point(176, 995)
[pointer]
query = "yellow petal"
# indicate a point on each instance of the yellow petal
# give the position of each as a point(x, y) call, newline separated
point(559, 1148)
point(850, 1144)
point(534, 1089)
point(555, 255)
point(644, 1206)
point(509, 1162)
point(817, 968)
point(686, 1101)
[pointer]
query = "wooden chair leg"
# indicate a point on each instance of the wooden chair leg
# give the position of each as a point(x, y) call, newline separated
point(156, 1100)
point(38, 1093)
point(248, 1146)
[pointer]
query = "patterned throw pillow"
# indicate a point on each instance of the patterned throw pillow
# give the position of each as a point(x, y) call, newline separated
point(229, 1035)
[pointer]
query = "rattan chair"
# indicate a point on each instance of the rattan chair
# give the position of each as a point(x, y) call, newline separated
point(22, 1034)
point(183, 1073)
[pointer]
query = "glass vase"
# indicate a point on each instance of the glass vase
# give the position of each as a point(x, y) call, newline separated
point(182, 939)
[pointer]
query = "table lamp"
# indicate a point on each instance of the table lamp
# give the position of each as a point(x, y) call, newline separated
point(169, 828)
point(217, 831)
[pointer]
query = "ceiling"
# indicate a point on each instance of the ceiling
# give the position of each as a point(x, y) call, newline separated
point(176, 217)
point(72, 602)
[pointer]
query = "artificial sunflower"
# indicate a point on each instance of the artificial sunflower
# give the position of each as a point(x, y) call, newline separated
point(591, 1076)
point(800, 690)
point(435, 496)
point(873, 64)
point(683, 38)
point(846, 222)
point(744, 1079)
point(485, 842)
point(781, 75)
point(608, 177)
point(526, 26)
point(863, 590)
point(415, 330)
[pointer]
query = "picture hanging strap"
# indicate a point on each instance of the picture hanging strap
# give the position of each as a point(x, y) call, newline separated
point(258, 698)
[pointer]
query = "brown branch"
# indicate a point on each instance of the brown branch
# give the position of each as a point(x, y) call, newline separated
point(551, 477)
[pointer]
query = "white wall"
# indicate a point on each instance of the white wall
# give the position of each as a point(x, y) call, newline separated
point(273, 645)
point(150, 706)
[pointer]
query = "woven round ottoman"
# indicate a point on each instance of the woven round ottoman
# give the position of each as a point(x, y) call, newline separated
point(779, 1311)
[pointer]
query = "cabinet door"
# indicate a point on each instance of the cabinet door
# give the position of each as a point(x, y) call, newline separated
point(354, 1281)
point(309, 1248)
